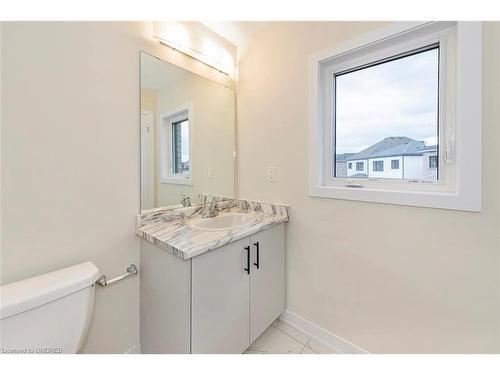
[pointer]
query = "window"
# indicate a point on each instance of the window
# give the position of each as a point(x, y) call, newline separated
point(389, 108)
point(180, 147)
point(175, 143)
point(433, 162)
point(378, 166)
point(395, 95)
point(360, 166)
point(350, 165)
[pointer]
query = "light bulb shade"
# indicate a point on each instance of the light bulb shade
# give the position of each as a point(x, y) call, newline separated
point(198, 42)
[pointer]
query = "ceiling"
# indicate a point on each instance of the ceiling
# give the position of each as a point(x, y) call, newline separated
point(156, 73)
point(237, 32)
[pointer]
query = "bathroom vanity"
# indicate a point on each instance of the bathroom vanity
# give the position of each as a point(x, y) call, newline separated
point(212, 275)
point(210, 285)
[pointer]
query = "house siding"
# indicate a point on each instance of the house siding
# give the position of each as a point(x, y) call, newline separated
point(429, 173)
point(353, 171)
point(341, 169)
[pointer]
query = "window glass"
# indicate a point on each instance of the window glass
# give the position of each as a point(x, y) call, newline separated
point(433, 161)
point(180, 147)
point(389, 109)
point(378, 166)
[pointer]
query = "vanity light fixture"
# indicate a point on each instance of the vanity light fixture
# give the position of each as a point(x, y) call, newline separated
point(175, 48)
point(176, 36)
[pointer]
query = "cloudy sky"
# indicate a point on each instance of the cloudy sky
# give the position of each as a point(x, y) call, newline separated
point(398, 98)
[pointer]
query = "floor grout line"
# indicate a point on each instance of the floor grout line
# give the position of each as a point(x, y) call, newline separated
point(303, 345)
point(292, 336)
point(280, 328)
point(310, 338)
point(302, 350)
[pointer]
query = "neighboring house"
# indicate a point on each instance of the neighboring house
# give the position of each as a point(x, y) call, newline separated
point(430, 160)
point(184, 166)
point(395, 157)
point(341, 164)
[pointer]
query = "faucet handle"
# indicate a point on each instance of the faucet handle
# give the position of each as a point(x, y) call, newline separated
point(185, 200)
point(215, 203)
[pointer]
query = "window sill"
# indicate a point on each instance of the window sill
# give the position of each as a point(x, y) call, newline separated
point(177, 181)
point(443, 200)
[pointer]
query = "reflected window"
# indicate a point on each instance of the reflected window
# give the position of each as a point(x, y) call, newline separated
point(175, 146)
point(180, 147)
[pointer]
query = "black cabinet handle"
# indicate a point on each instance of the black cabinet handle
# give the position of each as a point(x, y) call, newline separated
point(247, 248)
point(257, 245)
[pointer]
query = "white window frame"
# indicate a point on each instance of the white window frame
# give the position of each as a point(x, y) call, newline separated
point(459, 159)
point(165, 122)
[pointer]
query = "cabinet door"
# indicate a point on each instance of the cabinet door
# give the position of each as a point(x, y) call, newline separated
point(267, 282)
point(220, 300)
point(165, 281)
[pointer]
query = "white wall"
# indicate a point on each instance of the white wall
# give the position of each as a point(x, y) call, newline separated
point(430, 287)
point(388, 172)
point(70, 157)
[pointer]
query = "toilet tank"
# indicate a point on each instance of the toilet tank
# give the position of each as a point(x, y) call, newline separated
point(49, 313)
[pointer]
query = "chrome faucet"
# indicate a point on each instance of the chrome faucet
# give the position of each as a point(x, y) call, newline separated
point(185, 201)
point(212, 210)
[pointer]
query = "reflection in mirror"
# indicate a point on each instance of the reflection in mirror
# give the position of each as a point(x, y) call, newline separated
point(187, 135)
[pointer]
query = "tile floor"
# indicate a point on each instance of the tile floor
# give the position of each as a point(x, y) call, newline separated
point(282, 338)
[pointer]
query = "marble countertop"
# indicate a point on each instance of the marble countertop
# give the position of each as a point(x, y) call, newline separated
point(170, 229)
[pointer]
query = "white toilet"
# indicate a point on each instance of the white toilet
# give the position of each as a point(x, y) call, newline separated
point(49, 313)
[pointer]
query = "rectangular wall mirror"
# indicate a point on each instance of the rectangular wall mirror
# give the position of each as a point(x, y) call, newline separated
point(187, 135)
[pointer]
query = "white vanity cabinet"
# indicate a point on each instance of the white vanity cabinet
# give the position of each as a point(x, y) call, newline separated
point(237, 291)
point(267, 281)
point(232, 294)
point(220, 303)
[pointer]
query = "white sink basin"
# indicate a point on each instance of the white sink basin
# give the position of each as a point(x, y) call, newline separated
point(223, 221)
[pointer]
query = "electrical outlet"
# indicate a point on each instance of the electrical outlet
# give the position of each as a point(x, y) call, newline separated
point(271, 174)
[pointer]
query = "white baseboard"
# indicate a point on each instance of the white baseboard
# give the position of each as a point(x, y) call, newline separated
point(136, 349)
point(302, 324)
point(321, 334)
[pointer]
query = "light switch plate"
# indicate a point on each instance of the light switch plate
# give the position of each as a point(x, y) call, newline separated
point(210, 173)
point(271, 174)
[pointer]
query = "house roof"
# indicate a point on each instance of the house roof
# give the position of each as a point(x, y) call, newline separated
point(393, 146)
point(344, 157)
